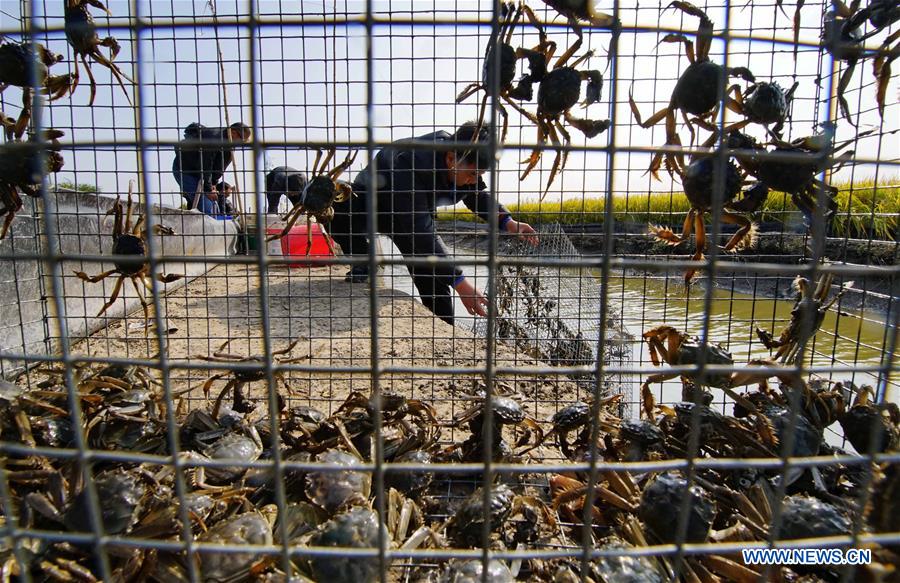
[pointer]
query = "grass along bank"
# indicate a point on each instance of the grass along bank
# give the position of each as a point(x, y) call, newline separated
point(864, 210)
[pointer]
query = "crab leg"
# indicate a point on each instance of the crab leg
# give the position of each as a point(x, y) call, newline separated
point(562, 152)
point(339, 169)
point(115, 294)
point(536, 153)
point(328, 158)
point(83, 276)
point(93, 81)
point(142, 298)
point(745, 237)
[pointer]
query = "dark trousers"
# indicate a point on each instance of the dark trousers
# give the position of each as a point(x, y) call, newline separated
point(411, 227)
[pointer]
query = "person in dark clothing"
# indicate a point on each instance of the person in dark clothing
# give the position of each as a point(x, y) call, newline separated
point(199, 168)
point(284, 181)
point(410, 184)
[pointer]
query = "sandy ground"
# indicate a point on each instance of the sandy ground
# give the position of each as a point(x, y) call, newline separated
point(330, 319)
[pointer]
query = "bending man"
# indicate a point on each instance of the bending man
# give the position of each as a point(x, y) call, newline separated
point(411, 184)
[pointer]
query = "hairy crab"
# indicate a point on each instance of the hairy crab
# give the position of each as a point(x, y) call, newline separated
point(27, 65)
point(699, 182)
point(81, 32)
point(696, 92)
point(509, 57)
point(130, 255)
point(558, 93)
point(318, 197)
point(807, 316)
point(23, 166)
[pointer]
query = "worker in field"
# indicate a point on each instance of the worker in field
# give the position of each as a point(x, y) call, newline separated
point(411, 181)
point(199, 168)
point(284, 181)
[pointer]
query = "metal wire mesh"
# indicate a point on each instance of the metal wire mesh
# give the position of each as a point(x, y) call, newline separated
point(200, 425)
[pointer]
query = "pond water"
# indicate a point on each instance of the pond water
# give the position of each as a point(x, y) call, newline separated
point(845, 340)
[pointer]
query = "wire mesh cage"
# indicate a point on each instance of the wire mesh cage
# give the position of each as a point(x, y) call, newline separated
point(249, 332)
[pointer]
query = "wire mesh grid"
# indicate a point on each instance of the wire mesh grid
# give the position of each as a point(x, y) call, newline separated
point(237, 392)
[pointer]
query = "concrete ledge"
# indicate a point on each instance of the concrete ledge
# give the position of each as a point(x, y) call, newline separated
point(27, 310)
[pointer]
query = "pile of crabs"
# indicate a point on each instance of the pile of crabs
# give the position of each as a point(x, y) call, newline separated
point(319, 487)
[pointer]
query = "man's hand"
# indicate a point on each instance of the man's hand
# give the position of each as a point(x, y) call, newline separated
point(523, 230)
point(472, 298)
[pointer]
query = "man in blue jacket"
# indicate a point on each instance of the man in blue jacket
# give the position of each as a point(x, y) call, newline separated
point(410, 185)
point(199, 167)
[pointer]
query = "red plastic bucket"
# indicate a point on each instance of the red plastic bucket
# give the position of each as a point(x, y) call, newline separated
point(295, 242)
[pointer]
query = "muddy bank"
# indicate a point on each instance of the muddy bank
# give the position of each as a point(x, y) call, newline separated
point(877, 292)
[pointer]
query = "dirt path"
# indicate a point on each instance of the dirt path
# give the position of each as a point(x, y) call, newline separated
point(331, 321)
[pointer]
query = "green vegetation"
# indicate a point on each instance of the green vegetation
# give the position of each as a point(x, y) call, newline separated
point(79, 187)
point(864, 211)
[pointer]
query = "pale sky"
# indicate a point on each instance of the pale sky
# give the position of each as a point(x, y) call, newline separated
point(311, 85)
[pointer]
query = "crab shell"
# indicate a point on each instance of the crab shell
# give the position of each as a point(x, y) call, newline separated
point(250, 528)
point(333, 490)
point(472, 571)
point(572, 416)
point(857, 425)
point(121, 497)
point(19, 60)
point(807, 517)
point(26, 167)
point(319, 194)
point(625, 568)
point(468, 522)
point(129, 245)
point(357, 528)
point(765, 103)
point(409, 481)
point(661, 503)
point(697, 90)
point(689, 353)
point(700, 178)
point(231, 446)
point(791, 176)
point(558, 91)
point(507, 66)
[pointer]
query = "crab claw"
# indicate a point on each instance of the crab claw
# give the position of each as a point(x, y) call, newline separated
point(595, 87)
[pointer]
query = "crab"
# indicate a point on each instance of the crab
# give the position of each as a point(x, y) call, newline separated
point(661, 503)
point(670, 345)
point(254, 371)
point(766, 103)
point(472, 571)
point(537, 65)
point(807, 316)
point(129, 244)
point(466, 526)
point(808, 517)
point(577, 417)
point(356, 528)
point(699, 181)
point(410, 482)
point(318, 197)
point(246, 529)
point(23, 166)
point(864, 418)
point(696, 92)
point(338, 490)
point(558, 93)
point(123, 495)
point(505, 411)
point(792, 168)
point(407, 424)
point(842, 37)
point(81, 32)
point(578, 12)
point(18, 62)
